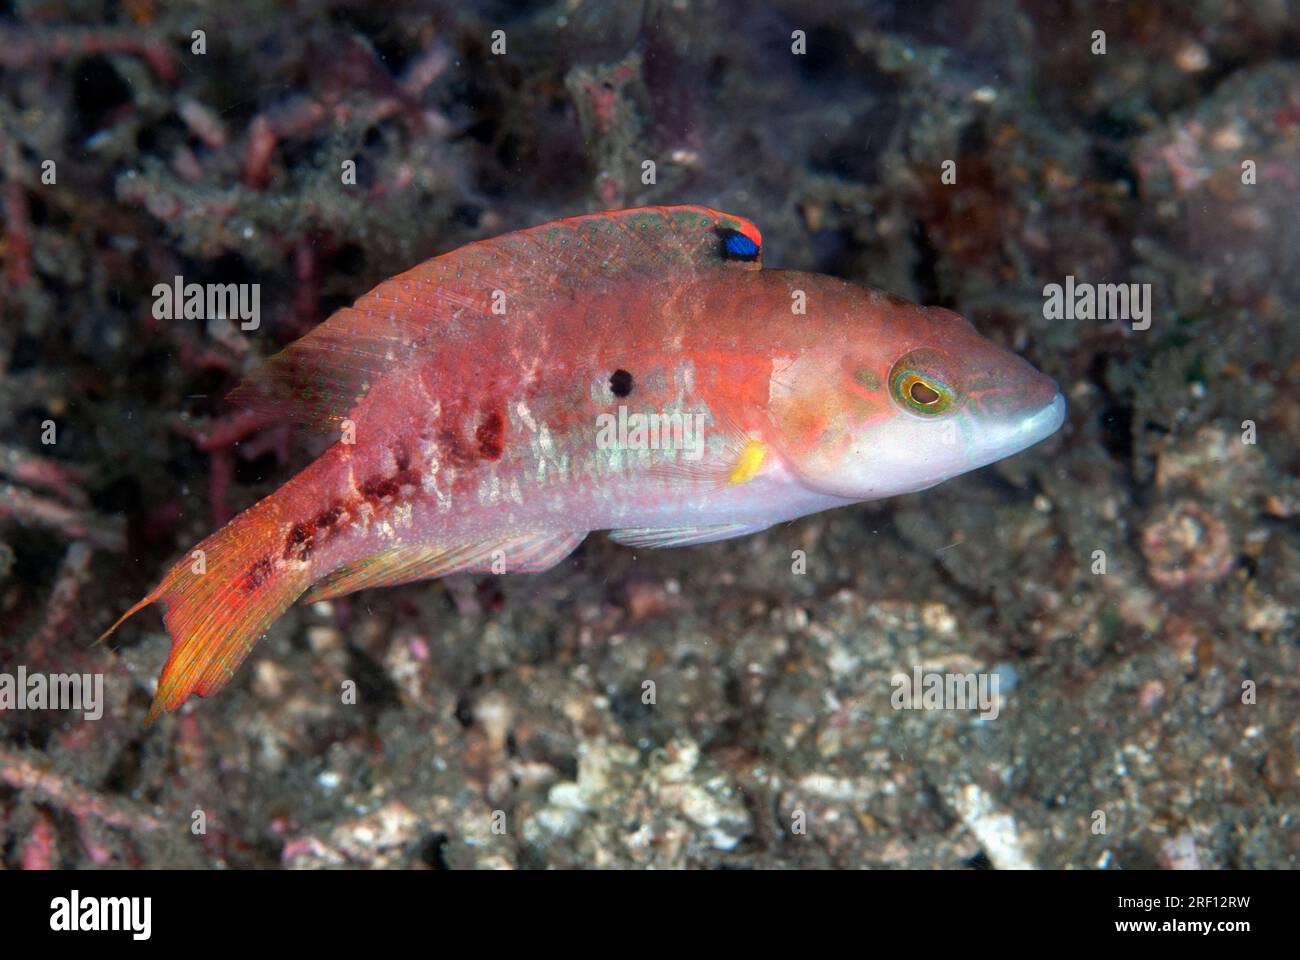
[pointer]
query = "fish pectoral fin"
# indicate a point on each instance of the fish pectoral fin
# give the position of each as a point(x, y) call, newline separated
point(738, 457)
point(530, 552)
point(657, 537)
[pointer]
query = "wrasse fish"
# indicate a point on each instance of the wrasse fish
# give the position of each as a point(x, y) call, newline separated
point(633, 371)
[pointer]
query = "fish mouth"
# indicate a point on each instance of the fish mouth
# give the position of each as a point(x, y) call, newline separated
point(1045, 422)
point(1011, 438)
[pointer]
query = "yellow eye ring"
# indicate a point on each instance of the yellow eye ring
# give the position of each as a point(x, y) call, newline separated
point(921, 394)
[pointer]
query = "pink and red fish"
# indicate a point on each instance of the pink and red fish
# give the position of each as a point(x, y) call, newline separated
point(634, 371)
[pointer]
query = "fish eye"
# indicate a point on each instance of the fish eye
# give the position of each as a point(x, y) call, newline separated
point(923, 393)
point(918, 385)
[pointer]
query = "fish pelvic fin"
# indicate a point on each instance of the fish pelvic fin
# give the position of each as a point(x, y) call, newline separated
point(662, 537)
point(220, 599)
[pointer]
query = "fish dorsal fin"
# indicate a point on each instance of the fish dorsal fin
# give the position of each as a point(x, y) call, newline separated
point(320, 378)
point(658, 241)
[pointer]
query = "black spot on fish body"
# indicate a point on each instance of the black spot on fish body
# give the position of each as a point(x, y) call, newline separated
point(620, 382)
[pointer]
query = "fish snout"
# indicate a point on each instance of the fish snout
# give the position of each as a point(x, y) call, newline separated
point(1047, 420)
point(1009, 433)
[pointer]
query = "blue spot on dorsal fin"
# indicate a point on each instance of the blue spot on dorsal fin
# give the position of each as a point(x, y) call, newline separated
point(740, 245)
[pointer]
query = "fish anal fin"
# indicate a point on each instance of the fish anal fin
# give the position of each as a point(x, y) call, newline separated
point(525, 553)
point(531, 553)
point(385, 568)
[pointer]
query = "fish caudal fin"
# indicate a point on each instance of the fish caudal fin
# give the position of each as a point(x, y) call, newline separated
point(220, 600)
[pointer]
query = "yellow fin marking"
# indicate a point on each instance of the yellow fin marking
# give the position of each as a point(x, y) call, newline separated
point(751, 458)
